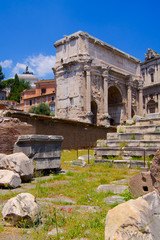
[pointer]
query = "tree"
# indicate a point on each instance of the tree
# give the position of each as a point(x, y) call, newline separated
point(42, 109)
point(1, 78)
point(17, 86)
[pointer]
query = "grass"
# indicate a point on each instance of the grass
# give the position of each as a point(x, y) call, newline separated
point(79, 184)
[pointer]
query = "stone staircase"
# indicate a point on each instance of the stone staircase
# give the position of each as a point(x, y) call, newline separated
point(139, 140)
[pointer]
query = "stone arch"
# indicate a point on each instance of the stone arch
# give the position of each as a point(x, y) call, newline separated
point(133, 112)
point(115, 105)
point(94, 110)
point(151, 106)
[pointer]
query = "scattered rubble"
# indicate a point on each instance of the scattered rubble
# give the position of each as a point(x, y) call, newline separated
point(22, 210)
point(135, 219)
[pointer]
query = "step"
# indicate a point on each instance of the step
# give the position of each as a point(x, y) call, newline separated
point(122, 163)
point(138, 128)
point(126, 151)
point(128, 143)
point(153, 118)
point(140, 136)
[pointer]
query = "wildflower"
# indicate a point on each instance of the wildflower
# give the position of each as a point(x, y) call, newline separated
point(69, 210)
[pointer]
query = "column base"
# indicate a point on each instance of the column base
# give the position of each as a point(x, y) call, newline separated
point(105, 120)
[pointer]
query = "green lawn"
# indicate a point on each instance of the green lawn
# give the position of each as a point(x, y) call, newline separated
point(79, 184)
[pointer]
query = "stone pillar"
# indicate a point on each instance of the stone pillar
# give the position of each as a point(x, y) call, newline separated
point(105, 118)
point(140, 101)
point(158, 103)
point(105, 107)
point(88, 90)
point(129, 100)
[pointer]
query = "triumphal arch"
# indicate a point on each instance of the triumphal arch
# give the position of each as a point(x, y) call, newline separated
point(95, 82)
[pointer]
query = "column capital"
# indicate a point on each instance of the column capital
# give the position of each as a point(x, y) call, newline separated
point(105, 70)
point(87, 68)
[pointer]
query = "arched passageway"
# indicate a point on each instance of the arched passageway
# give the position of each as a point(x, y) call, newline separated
point(115, 105)
point(94, 112)
point(151, 106)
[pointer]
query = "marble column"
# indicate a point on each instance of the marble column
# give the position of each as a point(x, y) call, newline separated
point(129, 100)
point(158, 103)
point(88, 90)
point(105, 107)
point(140, 101)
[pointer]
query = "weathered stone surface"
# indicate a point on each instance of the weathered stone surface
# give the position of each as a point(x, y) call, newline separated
point(57, 199)
point(112, 187)
point(79, 163)
point(53, 232)
point(114, 199)
point(9, 179)
point(2, 155)
point(155, 170)
point(135, 219)
point(122, 181)
point(19, 163)
point(141, 184)
point(44, 150)
point(21, 210)
point(94, 57)
point(85, 157)
point(130, 121)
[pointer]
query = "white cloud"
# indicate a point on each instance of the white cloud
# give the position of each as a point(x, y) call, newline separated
point(41, 65)
point(19, 68)
point(6, 63)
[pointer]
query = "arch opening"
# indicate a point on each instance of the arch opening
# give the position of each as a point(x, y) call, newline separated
point(115, 105)
point(94, 109)
point(151, 106)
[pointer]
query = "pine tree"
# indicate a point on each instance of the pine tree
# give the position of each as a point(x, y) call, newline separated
point(1, 74)
point(17, 86)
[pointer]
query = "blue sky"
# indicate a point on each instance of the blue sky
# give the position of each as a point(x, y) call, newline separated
point(29, 29)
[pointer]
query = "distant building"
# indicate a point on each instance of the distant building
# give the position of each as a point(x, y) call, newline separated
point(43, 92)
point(28, 76)
point(150, 70)
point(3, 95)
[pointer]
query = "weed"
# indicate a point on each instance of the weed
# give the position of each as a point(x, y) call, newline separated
point(133, 137)
point(121, 130)
point(123, 144)
point(127, 195)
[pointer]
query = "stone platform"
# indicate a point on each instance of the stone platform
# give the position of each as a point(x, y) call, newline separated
point(44, 150)
point(140, 139)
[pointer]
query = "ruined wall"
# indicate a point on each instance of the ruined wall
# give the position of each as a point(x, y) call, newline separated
point(76, 134)
point(10, 129)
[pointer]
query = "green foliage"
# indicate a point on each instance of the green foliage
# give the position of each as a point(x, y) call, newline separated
point(32, 109)
point(42, 109)
point(127, 195)
point(1, 74)
point(123, 144)
point(133, 137)
point(17, 86)
point(1, 78)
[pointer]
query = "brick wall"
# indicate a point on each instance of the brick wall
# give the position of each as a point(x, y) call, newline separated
point(76, 134)
point(10, 129)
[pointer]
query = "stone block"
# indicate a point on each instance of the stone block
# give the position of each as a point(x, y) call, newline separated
point(114, 199)
point(141, 184)
point(19, 163)
point(135, 219)
point(112, 187)
point(9, 179)
point(44, 150)
point(155, 170)
point(22, 210)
